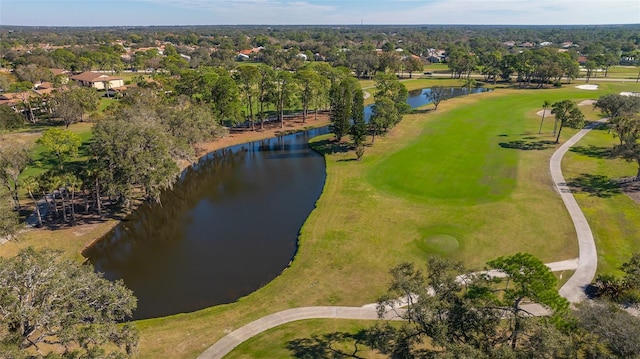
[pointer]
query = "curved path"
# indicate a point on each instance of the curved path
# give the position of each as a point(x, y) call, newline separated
point(573, 290)
point(233, 339)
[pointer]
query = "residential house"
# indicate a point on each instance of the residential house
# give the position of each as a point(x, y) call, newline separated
point(98, 80)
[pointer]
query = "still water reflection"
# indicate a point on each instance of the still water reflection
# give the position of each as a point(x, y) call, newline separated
point(228, 227)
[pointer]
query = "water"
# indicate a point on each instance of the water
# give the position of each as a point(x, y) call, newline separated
point(228, 227)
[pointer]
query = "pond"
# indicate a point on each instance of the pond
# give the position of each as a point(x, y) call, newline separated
point(228, 227)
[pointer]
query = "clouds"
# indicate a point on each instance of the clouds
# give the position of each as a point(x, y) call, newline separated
point(277, 12)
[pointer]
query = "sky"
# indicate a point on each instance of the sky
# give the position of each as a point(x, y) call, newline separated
point(316, 12)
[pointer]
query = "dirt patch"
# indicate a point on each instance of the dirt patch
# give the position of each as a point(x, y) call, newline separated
point(631, 187)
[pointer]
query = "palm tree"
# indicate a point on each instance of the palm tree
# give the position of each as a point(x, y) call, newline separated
point(545, 105)
point(107, 86)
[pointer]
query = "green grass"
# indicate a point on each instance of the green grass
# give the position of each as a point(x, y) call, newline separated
point(296, 339)
point(613, 216)
point(619, 72)
point(105, 103)
point(43, 160)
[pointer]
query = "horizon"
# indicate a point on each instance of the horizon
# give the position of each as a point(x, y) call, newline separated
point(159, 13)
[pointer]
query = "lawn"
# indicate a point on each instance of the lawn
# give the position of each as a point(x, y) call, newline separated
point(613, 216)
point(618, 72)
point(297, 339)
point(43, 159)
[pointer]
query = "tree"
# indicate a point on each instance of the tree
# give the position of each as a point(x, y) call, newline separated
point(567, 113)
point(14, 158)
point(134, 151)
point(358, 130)
point(307, 81)
point(468, 83)
point(591, 66)
point(23, 89)
point(545, 105)
point(284, 91)
point(225, 98)
point(625, 289)
point(390, 102)
point(472, 315)
point(53, 305)
point(527, 278)
point(413, 64)
point(73, 103)
point(383, 115)
point(63, 143)
point(438, 94)
point(342, 101)
point(265, 83)
point(10, 119)
point(247, 78)
point(9, 224)
point(31, 185)
point(615, 105)
point(612, 327)
point(627, 130)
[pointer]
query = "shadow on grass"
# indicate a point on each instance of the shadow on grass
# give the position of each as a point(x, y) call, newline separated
point(422, 110)
point(332, 345)
point(328, 146)
point(595, 185)
point(528, 145)
point(592, 151)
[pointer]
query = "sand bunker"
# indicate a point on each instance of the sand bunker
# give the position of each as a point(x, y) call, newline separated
point(587, 87)
point(636, 94)
point(587, 102)
point(546, 112)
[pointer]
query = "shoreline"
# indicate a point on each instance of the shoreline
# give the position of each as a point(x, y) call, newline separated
point(233, 138)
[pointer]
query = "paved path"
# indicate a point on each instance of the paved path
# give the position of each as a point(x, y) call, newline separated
point(573, 290)
point(368, 311)
point(233, 339)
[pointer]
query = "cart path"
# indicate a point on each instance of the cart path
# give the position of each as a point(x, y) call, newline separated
point(367, 312)
point(573, 290)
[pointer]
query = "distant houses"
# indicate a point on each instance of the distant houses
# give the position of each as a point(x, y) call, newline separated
point(97, 80)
